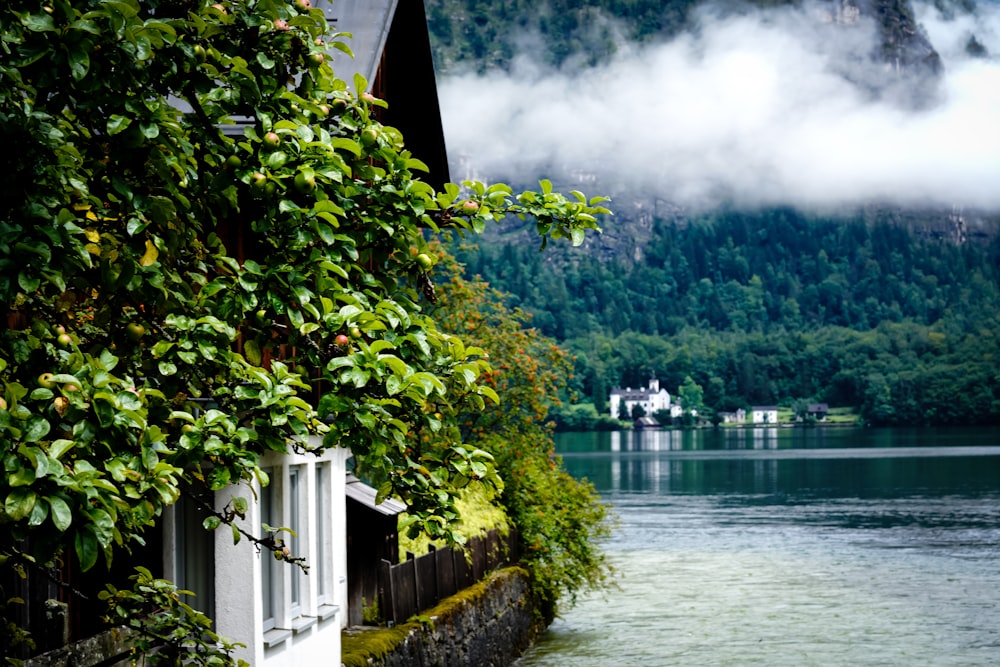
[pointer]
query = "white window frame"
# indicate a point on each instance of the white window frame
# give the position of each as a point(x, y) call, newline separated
point(323, 533)
point(297, 539)
point(271, 584)
point(301, 495)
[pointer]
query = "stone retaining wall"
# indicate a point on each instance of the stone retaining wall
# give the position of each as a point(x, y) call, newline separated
point(489, 624)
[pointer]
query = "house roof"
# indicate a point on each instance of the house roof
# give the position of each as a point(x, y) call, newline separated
point(637, 394)
point(369, 23)
point(360, 492)
point(764, 407)
point(392, 50)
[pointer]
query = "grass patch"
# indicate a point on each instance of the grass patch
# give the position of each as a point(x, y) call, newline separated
point(842, 416)
point(478, 513)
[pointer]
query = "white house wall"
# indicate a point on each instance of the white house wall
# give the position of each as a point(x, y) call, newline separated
point(237, 581)
point(311, 636)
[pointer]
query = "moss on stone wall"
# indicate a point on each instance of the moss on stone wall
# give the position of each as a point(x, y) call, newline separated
point(361, 646)
point(502, 598)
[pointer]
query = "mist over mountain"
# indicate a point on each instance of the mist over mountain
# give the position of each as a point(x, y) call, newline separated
point(820, 106)
point(805, 193)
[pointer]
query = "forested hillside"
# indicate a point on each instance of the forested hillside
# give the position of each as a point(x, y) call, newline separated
point(890, 307)
point(777, 306)
point(481, 35)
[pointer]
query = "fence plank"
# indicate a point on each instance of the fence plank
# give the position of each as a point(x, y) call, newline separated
point(493, 555)
point(463, 569)
point(387, 591)
point(478, 558)
point(428, 581)
point(445, 572)
point(406, 590)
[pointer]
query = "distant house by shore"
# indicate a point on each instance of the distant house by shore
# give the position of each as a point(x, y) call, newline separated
point(646, 422)
point(764, 414)
point(650, 399)
point(818, 410)
point(737, 417)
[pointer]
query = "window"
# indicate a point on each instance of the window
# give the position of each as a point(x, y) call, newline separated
point(195, 554)
point(321, 532)
point(268, 572)
point(295, 538)
point(300, 500)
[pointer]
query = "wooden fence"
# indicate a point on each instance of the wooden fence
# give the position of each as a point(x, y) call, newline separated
point(407, 588)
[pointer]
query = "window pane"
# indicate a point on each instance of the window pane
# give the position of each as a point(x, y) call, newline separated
point(196, 554)
point(267, 560)
point(292, 539)
point(321, 530)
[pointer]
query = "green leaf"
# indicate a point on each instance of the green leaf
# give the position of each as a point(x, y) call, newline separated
point(211, 522)
point(60, 447)
point(40, 513)
point(126, 9)
point(346, 144)
point(150, 458)
point(325, 232)
point(397, 365)
point(489, 393)
point(21, 477)
point(86, 25)
point(264, 60)
point(380, 345)
point(39, 23)
point(19, 504)
point(87, 547)
point(218, 478)
point(118, 124)
point(28, 283)
point(277, 159)
point(108, 360)
point(36, 429)
point(104, 408)
point(417, 165)
point(252, 351)
point(79, 62)
point(117, 469)
point(360, 84)
point(104, 526)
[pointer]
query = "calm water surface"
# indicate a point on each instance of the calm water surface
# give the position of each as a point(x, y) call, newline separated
point(790, 547)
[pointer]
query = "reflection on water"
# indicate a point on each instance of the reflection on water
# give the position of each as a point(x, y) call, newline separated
point(771, 547)
point(773, 439)
point(811, 462)
point(656, 440)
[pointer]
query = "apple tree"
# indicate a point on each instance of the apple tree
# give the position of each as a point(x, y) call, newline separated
point(177, 301)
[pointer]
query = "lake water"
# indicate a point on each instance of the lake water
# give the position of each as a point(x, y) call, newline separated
point(824, 546)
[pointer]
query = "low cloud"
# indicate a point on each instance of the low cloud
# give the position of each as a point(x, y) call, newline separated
point(774, 107)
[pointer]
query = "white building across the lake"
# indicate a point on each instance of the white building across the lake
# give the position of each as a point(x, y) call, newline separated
point(651, 398)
